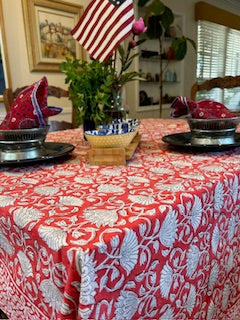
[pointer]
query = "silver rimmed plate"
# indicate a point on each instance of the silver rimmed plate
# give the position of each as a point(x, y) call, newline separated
point(184, 140)
point(44, 151)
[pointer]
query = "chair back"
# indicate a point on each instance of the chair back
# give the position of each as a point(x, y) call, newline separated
point(227, 82)
point(9, 95)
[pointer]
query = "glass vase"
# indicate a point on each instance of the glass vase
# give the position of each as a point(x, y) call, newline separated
point(117, 110)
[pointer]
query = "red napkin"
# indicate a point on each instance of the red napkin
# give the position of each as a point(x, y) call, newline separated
point(204, 109)
point(30, 109)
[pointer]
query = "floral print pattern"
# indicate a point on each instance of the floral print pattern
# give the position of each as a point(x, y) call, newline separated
point(157, 238)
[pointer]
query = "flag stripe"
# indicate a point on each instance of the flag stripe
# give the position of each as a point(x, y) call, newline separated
point(88, 20)
point(103, 26)
point(112, 29)
point(87, 15)
point(112, 41)
point(96, 30)
point(96, 20)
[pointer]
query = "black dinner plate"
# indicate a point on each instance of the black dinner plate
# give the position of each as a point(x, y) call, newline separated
point(47, 151)
point(183, 140)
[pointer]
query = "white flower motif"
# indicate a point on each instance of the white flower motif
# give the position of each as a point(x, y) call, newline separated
point(126, 305)
point(191, 299)
point(86, 269)
point(51, 294)
point(226, 293)
point(215, 239)
point(192, 175)
point(45, 190)
point(231, 228)
point(30, 180)
point(211, 311)
point(230, 261)
point(168, 231)
point(193, 256)
point(235, 189)
point(111, 172)
point(101, 217)
point(213, 276)
point(70, 201)
point(166, 280)
point(22, 216)
point(5, 245)
point(161, 170)
point(168, 315)
point(218, 196)
point(181, 163)
point(25, 264)
point(54, 237)
point(65, 173)
point(6, 201)
point(140, 199)
point(214, 168)
point(129, 251)
point(136, 179)
point(83, 180)
point(172, 187)
point(196, 213)
point(110, 188)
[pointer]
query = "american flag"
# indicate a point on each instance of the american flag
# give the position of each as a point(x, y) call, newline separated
point(103, 26)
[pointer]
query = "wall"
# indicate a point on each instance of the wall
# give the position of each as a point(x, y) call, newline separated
point(17, 50)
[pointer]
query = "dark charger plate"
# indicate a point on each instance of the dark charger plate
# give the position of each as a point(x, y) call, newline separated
point(183, 140)
point(45, 151)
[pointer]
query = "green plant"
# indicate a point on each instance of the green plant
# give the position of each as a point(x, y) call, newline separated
point(93, 85)
point(159, 19)
point(89, 88)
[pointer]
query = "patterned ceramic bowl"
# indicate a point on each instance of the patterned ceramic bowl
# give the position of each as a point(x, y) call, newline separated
point(124, 125)
point(109, 138)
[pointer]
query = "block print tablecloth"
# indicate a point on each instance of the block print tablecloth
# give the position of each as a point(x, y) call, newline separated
point(155, 239)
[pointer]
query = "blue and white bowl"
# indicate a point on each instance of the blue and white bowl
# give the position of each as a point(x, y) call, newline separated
point(123, 125)
point(105, 138)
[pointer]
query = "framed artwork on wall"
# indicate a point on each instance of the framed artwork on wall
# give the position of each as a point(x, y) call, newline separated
point(5, 80)
point(47, 27)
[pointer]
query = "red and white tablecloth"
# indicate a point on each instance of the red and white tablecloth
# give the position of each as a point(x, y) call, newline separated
point(155, 239)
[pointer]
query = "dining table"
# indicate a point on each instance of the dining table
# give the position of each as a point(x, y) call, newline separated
point(156, 238)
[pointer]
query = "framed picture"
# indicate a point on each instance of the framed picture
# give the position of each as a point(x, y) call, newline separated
point(5, 80)
point(47, 26)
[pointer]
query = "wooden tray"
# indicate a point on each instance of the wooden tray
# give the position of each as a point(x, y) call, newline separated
point(113, 156)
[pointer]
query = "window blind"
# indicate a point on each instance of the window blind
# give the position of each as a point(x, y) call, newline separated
point(218, 55)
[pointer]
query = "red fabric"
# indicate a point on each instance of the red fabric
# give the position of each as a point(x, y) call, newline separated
point(30, 109)
point(204, 109)
point(103, 26)
point(157, 238)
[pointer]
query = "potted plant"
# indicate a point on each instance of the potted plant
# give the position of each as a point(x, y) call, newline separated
point(159, 19)
point(95, 87)
point(89, 89)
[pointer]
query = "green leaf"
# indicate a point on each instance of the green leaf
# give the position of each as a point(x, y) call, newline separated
point(167, 18)
point(155, 8)
point(179, 47)
point(154, 30)
point(140, 41)
point(142, 3)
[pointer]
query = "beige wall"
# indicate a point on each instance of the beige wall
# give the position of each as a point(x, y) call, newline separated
point(17, 50)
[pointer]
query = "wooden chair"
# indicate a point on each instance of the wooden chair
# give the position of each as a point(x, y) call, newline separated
point(9, 95)
point(227, 82)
